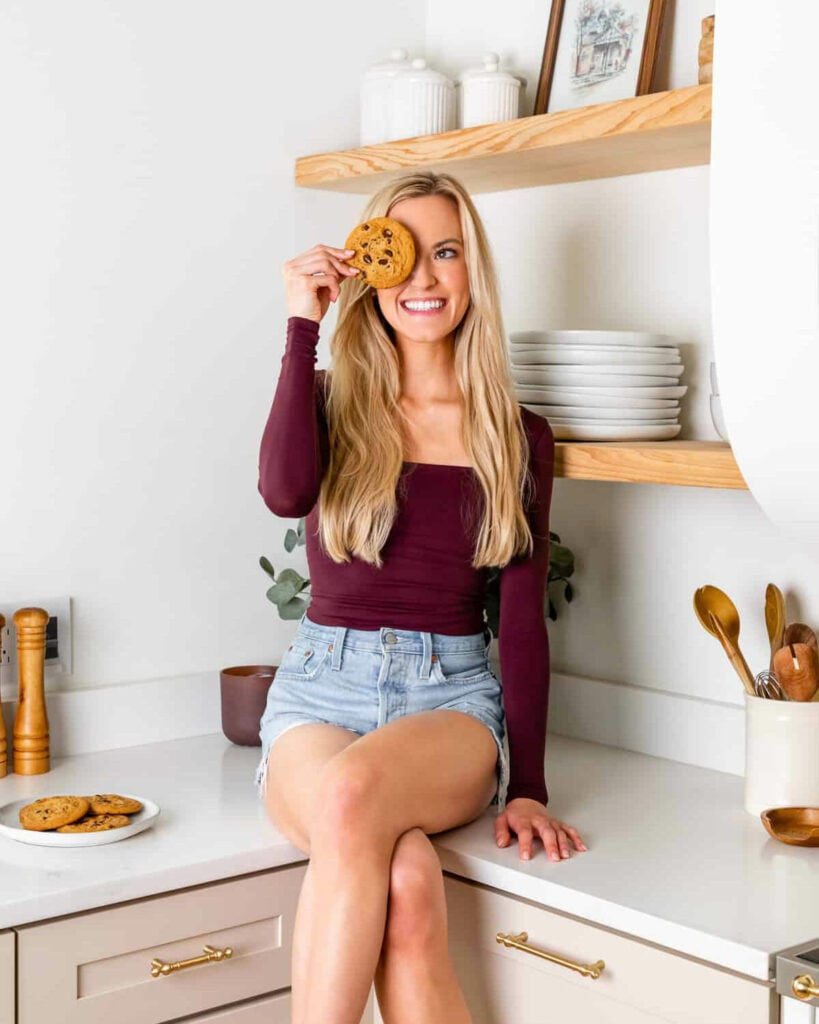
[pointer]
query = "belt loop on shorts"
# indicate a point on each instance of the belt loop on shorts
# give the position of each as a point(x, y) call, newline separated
point(425, 661)
point(487, 638)
point(338, 646)
point(303, 616)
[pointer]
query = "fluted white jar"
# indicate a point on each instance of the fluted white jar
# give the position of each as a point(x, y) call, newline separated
point(487, 94)
point(781, 753)
point(376, 96)
point(423, 102)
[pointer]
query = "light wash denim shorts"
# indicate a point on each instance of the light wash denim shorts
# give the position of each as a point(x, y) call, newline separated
point(361, 679)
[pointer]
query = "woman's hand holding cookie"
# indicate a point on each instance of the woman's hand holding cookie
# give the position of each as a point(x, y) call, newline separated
point(313, 279)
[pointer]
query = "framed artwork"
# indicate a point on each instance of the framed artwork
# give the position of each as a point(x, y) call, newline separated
point(597, 51)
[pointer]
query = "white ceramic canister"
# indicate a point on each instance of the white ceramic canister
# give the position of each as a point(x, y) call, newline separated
point(781, 753)
point(423, 102)
point(487, 94)
point(376, 96)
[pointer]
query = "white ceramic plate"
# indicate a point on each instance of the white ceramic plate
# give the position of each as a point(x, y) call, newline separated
point(587, 412)
point(580, 398)
point(581, 394)
point(579, 356)
point(624, 369)
point(11, 828)
point(590, 338)
point(591, 431)
point(568, 378)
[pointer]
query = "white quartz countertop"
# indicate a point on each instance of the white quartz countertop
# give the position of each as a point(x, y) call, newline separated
point(673, 857)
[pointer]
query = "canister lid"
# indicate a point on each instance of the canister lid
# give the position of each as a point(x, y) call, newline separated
point(418, 71)
point(489, 72)
point(398, 61)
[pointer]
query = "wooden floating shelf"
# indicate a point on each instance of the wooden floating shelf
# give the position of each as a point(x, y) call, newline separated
point(654, 132)
point(691, 463)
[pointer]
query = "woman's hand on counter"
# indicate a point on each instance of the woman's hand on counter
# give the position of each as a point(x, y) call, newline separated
point(526, 817)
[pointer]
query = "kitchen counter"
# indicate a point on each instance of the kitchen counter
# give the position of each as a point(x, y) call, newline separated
point(673, 857)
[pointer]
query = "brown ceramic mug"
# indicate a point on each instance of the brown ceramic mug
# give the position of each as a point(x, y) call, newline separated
point(244, 696)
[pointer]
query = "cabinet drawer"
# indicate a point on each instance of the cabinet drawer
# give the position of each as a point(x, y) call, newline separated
point(96, 967)
point(6, 977)
point(269, 1010)
point(640, 984)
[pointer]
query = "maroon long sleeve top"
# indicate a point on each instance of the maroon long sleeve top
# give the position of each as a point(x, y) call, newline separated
point(426, 581)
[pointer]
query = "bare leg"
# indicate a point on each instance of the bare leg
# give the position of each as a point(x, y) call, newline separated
point(432, 770)
point(293, 770)
point(415, 979)
point(429, 771)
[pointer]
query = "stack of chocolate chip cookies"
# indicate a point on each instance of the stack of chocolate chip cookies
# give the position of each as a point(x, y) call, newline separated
point(79, 813)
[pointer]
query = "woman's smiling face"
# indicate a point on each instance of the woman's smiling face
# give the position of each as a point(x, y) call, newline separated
point(439, 272)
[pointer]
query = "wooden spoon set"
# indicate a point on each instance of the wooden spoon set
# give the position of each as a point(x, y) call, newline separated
point(793, 672)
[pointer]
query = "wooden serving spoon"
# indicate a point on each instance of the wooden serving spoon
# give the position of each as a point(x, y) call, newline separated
point(774, 618)
point(799, 633)
point(797, 669)
point(717, 614)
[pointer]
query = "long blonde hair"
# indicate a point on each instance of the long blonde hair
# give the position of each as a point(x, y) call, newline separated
point(358, 499)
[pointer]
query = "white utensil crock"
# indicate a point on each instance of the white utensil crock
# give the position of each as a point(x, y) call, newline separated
point(781, 753)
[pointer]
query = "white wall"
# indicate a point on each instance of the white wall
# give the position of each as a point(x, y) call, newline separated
point(147, 207)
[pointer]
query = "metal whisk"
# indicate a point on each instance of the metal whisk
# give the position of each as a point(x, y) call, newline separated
point(767, 685)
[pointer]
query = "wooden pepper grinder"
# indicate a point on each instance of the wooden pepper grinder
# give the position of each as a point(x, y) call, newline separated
point(4, 757)
point(31, 746)
point(705, 56)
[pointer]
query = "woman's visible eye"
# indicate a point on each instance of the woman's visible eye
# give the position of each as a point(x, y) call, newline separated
point(454, 251)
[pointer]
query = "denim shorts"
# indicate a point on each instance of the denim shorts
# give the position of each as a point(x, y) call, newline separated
point(361, 679)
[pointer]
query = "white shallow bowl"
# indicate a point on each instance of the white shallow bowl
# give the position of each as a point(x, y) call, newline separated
point(585, 412)
point(11, 828)
point(560, 377)
point(665, 392)
point(588, 356)
point(623, 369)
point(591, 431)
point(717, 417)
point(590, 338)
point(593, 397)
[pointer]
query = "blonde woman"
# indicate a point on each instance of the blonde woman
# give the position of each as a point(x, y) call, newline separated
point(417, 470)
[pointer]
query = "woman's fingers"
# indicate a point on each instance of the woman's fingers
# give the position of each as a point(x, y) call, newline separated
point(525, 842)
point(502, 833)
point(575, 837)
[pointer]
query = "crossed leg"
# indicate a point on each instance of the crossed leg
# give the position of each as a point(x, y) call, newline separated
point(347, 801)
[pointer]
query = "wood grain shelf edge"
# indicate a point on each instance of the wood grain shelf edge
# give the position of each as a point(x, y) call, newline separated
point(657, 131)
point(687, 463)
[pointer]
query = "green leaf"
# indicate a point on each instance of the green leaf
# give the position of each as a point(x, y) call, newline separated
point(293, 609)
point(268, 568)
point(291, 539)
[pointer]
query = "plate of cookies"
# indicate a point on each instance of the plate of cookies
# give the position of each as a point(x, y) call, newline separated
point(77, 820)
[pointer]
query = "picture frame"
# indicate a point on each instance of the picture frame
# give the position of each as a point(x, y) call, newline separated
point(598, 51)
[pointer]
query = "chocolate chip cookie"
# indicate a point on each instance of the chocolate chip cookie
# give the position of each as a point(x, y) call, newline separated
point(384, 252)
point(51, 812)
point(97, 823)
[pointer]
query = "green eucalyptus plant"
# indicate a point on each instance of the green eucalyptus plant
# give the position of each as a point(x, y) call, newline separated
point(289, 585)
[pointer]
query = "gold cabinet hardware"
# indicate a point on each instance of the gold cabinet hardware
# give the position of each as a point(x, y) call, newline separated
point(520, 941)
point(209, 954)
point(804, 987)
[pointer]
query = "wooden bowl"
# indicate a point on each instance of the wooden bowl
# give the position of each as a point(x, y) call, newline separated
point(798, 826)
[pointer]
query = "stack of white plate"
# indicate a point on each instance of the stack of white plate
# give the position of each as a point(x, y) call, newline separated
point(600, 385)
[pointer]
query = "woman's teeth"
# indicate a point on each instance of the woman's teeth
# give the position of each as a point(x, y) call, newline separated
point(423, 307)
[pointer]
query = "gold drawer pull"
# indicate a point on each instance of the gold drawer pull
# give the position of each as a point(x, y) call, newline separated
point(209, 954)
point(520, 941)
point(804, 987)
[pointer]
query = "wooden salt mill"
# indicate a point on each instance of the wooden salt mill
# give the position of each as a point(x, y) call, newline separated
point(4, 757)
point(31, 746)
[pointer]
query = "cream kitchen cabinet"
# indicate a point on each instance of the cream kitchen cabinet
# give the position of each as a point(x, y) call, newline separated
point(6, 977)
point(96, 966)
point(638, 984)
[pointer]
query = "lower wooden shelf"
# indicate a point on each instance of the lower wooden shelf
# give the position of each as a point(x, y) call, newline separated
point(689, 463)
